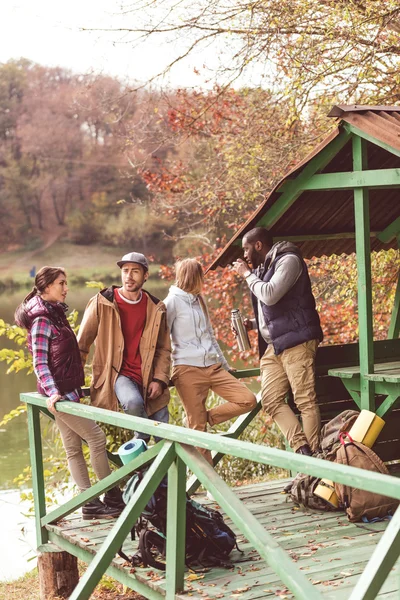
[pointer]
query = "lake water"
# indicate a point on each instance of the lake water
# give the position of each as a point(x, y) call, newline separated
point(18, 529)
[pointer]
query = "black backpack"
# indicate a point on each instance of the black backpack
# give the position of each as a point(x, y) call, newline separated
point(209, 540)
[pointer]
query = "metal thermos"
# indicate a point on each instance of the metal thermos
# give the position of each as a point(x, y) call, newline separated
point(241, 331)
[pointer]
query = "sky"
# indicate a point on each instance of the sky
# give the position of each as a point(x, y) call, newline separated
point(49, 32)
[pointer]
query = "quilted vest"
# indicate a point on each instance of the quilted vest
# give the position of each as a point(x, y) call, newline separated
point(294, 319)
point(64, 357)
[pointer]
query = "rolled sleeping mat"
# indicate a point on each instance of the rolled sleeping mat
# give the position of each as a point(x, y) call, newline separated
point(366, 428)
point(131, 449)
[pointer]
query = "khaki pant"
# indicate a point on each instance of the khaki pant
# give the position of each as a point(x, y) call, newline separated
point(193, 385)
point(73, 430)
point(294, 368)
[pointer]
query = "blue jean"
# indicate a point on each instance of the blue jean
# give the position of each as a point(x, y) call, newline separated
point(130, 397)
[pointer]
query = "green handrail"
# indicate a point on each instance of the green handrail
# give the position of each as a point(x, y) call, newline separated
point(172, 455)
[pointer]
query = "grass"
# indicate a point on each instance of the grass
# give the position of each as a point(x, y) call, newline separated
point(82, 263)
point(27, 588)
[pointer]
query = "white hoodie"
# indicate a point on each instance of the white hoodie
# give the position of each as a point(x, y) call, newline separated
point(192, 336)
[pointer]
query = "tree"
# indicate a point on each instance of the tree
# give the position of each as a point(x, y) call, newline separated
point(346, 49)
point(229, 149)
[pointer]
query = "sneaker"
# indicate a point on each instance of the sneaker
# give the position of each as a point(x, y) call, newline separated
point(95, 509)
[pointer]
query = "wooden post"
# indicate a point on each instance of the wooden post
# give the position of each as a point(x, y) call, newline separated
point(363, 253)
point(58, 572)
point(176, 528)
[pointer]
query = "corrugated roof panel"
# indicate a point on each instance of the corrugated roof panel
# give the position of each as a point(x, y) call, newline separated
point(331, 212)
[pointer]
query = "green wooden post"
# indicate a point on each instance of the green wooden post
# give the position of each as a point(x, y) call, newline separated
point(381, 562)
point(124, 523)
point(35, 448)
point(176, 528)
point(394, 327)
point(363, 250)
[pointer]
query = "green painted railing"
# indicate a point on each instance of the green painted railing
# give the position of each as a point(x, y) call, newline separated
point(171, 456)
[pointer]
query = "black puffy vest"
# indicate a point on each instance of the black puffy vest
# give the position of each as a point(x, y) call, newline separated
point(294, 319)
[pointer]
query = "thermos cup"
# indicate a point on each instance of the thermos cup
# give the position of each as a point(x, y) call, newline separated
point(241, 332)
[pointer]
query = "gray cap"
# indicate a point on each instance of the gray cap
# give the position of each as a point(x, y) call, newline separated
point(134, 257)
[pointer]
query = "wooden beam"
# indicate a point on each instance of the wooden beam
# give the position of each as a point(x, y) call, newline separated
point(103, 485)
point(390, 232)
point(124, 523)
point(294, 190)
point(365, 480)
point(35, 448)
point(176, 528)
point(121, 575)
point(377, 178)
point(370, 138)
point(381, 562)
point(363, 254)
point(263, 542)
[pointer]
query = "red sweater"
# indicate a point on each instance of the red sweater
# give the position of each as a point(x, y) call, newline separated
point(133, 319)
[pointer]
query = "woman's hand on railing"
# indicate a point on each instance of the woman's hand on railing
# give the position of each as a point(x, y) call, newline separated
point(51, 402)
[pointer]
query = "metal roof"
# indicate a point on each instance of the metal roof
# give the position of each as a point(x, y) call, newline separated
point(331, 212)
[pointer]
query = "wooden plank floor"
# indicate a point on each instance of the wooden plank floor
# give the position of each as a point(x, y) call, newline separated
point(329, 550)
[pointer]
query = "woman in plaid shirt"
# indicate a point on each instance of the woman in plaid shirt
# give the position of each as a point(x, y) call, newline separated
point(59, 372)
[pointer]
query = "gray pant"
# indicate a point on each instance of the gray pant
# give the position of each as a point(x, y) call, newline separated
point(73, 430)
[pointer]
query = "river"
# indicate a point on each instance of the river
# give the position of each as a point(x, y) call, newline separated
point(16, 527)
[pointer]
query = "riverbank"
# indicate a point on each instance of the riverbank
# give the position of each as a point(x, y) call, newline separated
point(82, 263)
point(27, 588)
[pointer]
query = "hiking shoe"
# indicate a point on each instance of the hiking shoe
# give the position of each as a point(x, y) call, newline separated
point(113, 499)
point(95, 509)
point(305, 450)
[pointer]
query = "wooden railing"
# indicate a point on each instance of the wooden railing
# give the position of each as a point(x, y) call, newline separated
point(171, 456)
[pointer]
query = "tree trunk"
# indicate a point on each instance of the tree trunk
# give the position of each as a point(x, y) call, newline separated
point(58, 574)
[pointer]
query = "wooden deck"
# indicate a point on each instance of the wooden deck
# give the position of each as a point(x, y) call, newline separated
point(326, 547)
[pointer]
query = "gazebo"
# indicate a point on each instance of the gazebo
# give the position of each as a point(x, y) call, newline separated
point(344, 198)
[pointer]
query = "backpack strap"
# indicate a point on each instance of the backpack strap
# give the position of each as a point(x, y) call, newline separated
point(147, 540)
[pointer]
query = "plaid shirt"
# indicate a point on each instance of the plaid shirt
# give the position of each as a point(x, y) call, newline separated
point(42, 332)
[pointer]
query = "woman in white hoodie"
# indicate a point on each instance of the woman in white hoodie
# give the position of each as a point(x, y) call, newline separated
point(198, 363)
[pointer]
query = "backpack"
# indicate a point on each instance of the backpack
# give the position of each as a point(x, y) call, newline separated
point(359, 504)
point(208, 539)
point(303, 486)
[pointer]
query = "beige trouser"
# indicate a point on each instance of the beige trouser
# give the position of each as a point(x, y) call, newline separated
point(73, 430)
point(294, 368)
point(193, 385)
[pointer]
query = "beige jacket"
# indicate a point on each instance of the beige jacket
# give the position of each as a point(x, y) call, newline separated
point(101, 322)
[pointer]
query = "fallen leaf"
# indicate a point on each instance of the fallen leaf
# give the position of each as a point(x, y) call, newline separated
point(194, 577)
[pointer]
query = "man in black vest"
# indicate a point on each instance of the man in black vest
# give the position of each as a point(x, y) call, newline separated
point(289, 332)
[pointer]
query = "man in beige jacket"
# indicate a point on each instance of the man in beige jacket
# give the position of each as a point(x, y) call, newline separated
point(131, 363)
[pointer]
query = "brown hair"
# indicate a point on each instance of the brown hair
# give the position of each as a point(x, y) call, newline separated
point(44, 277)
point(189, 275)
point(189, 278)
